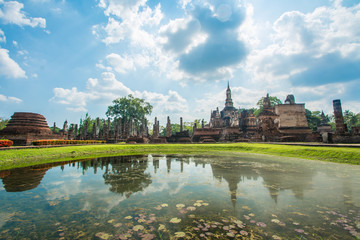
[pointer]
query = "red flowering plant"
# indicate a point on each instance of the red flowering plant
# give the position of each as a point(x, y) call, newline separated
point(6, 143)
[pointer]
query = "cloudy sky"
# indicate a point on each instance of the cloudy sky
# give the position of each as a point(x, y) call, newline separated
point(63, 58)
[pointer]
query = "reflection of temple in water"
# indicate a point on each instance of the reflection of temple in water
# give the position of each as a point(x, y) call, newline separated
point(233, 173)
point(24, 179)
point(20, 180)
point(127, 174)
point(296, 177)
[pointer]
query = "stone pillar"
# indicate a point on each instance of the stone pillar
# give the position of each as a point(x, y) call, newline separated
point(54, 128)
point(155, 129)
point(202, 123)
point(194, 127)
point(94, 131)
point(86, 130)
point(143, 128)
point(76, 131)
point(168, 127)
point(97, 130)
point(146, 129)
point(108, 128)
point(181, 124)
point(120, 128)
point(104, 131)
point(65, 127)
point(341, 127)
point(131, 130)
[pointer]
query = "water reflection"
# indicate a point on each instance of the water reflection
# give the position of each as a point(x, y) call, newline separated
point(227, 196)
point(127, 174)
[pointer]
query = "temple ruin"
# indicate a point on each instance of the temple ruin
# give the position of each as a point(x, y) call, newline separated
point(279, 123)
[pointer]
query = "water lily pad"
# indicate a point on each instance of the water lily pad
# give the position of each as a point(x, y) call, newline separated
point(148, 236)
point(230, 234)
point(277, 221)
point(138, 228)
point(141, 220)
point(128, 217)
point(205, 204)
point(117, 225)
point(162, 227)
point(246, 208)
point(251, 215)
point(175, 220)
point(191, 208)
point(111, 221)
point(199, 201)
point(164, 205)
point(191, 216)
point(244, 233)
point(180, 234)
point(276, 237)
point(261, 224)
point(103, 235)
point(158, 207)
point(180, 205)
point(299, 230)
point(197, 204)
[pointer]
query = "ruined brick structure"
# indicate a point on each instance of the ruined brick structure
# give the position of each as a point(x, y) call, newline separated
point(341, 127)
point(25, 127)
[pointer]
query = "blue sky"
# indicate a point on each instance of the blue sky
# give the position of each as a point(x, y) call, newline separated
point(63, 58)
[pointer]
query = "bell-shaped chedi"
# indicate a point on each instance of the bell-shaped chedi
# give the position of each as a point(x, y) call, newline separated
point(25, 127)
point(26, 122)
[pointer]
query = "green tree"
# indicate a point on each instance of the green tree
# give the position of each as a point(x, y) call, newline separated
point(129, 107)
point(313, 119)
point(351, 119)
point(3, 122)
point(273, 101)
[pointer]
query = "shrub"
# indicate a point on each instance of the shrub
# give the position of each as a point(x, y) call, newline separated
point(6, 143)
point(63, 142)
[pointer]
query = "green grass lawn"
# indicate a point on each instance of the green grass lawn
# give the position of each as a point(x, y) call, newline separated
point(26, 157)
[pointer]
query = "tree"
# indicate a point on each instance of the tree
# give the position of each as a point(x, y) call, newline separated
point(351, 119)
point(3, 123)
point(273, 101)
point(313, 119)
point(129, 107)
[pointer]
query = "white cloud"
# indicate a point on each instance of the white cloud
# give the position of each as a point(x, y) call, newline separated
point(8, 67)
point(2, 36)
point(10, 13)
point(306, 49)
point(6, 99)
point(108, 88)
point(127, 63)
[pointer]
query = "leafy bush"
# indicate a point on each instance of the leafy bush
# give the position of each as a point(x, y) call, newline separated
point(6, 143)
point(63, 142)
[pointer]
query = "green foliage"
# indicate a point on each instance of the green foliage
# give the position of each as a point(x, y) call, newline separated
point(313, 119)
point(175, 127)
point(351, 119)
point(3, 122)
point(273, 101)
point(57, 129)
point(129, 107)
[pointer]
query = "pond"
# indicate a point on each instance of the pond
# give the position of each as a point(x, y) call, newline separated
point(182, 197)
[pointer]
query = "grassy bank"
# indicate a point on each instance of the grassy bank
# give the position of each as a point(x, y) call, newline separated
point(26, 157)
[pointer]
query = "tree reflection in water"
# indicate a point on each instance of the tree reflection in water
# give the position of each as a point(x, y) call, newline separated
point(127, 174)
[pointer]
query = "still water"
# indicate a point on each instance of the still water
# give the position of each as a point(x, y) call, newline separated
point(182, 197)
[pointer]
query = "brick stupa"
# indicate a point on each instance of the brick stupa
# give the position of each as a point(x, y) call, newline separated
point(25, 127)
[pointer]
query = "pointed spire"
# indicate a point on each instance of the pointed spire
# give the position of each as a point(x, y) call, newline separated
point(228, 85)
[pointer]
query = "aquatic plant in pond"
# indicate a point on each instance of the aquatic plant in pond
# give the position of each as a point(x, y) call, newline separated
point(181, 197)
